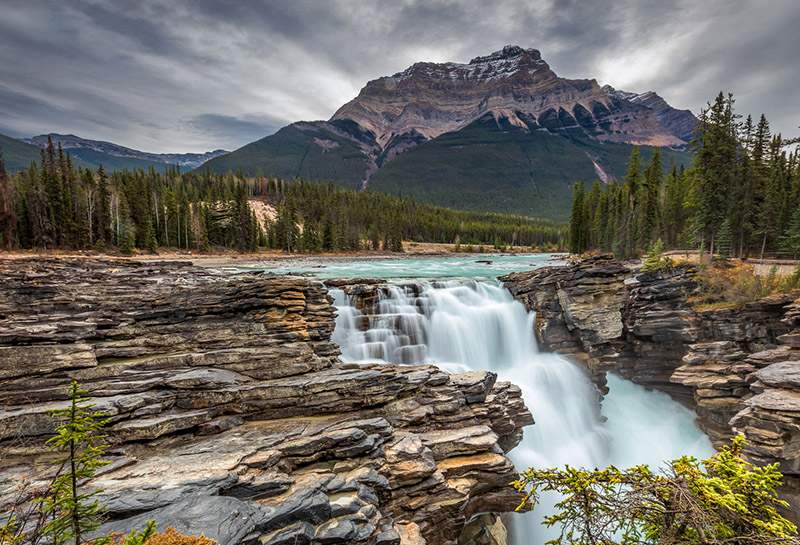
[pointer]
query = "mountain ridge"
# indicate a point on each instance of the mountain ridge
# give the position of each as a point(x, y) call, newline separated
point(434, 98)
point(73, 142)
point(534, 131)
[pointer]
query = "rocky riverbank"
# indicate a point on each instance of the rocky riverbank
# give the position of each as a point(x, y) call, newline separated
point(737, 367)
point(231, 415)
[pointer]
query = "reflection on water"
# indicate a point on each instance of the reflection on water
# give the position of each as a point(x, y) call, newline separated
point(488, 266)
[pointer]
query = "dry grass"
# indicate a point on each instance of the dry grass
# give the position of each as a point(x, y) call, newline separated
point(733, 283)
point(170, 537)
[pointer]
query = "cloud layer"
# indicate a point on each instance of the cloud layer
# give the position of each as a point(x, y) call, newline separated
point(195, 75)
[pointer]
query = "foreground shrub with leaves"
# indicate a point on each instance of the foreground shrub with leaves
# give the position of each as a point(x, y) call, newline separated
point(63, 512)
point(721, 500)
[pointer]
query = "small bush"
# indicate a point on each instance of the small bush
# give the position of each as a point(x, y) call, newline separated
point(174, 537)
point(150, 537)
point(655, 259)
point(735, 283)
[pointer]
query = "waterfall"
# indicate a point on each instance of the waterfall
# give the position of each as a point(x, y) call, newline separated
point(467, 325)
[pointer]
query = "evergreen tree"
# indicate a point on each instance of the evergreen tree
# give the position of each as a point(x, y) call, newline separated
point(577, 228)
point(8, 219)
point(150, 239)
point(723, 500)
point(75, 513)
point(725, 239)
point(715, 160)
point(327, 235)
point(769, 213)
point(127, 238)
point(651, 187)
point(311, 238)
point(790, 241)
point(103, 208)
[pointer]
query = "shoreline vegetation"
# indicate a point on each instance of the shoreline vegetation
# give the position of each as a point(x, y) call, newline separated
point(224, 258)
point(52, 205)
point(739, 198)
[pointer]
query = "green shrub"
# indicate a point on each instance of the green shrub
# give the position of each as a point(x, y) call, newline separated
point(721, 500)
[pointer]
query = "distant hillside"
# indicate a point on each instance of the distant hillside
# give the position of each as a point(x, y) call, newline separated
point(18, 154)
point(495, 166)
point(501, 133)
point(115, 157)
point(312, 151)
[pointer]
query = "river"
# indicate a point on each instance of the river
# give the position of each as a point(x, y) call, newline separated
point(455, 314)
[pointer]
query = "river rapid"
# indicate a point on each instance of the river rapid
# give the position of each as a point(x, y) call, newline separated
point(455, 314)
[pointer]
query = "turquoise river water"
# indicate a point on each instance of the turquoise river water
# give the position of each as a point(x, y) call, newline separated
point(460, 317)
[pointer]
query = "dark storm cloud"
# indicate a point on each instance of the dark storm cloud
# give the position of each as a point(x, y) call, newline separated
point(190, 75)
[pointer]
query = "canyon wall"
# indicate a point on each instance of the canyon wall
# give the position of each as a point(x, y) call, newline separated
point(737, 367)
point(230, 413)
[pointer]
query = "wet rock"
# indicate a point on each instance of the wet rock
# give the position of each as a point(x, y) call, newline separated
point(230, 414)
point(737, 367)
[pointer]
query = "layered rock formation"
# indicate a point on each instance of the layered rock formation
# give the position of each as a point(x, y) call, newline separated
point(429, 99)
point(229, 412)
point(578, 310)
point(737, 367)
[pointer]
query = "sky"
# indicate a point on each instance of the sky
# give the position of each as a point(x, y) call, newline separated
point(196, 75)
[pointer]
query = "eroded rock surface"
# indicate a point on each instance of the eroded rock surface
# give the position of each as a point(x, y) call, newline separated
point(578, 309)
point(737, 367)
point(231, 415)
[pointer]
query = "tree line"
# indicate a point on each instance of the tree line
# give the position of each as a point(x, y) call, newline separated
point(53, 205)
point(740, 197)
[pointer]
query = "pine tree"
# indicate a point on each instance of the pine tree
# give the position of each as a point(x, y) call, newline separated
point(769, 213)
point(715, 162)
point(395, 237)
point(76, 514)
point(577, 227)
point(311, 238)
point(8, 218)
point(725, 239)
point(723, 500)
point(327, 234)
point(150, 239)
point(651, 188)
point(127, 238)
point(103, 208)
point(790, 241)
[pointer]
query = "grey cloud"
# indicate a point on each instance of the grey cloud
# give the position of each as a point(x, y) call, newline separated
point(187, 75)
point(235, 131)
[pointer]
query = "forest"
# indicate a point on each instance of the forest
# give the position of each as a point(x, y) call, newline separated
point(739, 198)
point(54, 205)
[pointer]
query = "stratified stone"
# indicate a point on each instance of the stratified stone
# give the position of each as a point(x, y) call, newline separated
point(230, 414)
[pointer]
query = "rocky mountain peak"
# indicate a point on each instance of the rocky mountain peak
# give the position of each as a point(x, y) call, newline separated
point(509, 52)
point(514, 84)
point(501, 64)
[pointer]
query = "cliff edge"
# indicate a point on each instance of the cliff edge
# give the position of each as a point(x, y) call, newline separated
point(737, 367)
point(231, 415)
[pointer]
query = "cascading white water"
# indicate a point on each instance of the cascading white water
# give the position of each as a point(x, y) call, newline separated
point(462, 326)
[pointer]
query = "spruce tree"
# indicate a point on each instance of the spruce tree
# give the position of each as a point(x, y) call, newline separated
point(75, 513)
point(8, 219)
point(576, 222)
point(790, 240)
point(103, 209)
point(725, 239)
point(649, 199)
point(150, 239)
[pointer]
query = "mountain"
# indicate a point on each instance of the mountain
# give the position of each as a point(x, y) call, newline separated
point(501, 133)
point(116, 157)
point(18, 154)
